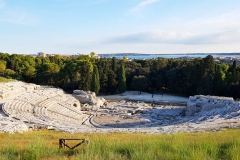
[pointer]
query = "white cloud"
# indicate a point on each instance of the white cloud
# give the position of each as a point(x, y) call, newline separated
point(224, 20)
point(214, 29)
point(185, 38)
point(142, 4)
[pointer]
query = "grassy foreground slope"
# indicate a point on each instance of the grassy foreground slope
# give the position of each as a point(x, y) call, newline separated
point(121, 146)
point(2, 79)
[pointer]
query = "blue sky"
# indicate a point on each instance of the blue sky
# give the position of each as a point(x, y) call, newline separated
point(119, 26)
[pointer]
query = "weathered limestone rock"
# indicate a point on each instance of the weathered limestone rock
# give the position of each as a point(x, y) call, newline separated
point(200, 103)
point(14, 128)
point(90, 98)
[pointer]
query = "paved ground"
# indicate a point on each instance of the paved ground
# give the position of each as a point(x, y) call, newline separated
point(134, 95)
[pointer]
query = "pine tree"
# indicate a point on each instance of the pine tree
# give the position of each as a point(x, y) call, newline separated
point(122, 79)
point(95, 83)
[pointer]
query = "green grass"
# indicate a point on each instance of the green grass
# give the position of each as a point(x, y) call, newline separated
point(2, 79)
point(122, 146)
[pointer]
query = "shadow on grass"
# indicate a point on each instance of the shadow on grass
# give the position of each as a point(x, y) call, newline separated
point(224, 151)
point(125, 152)
point(72, 152)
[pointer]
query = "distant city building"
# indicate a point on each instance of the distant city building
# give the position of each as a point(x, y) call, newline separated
point(220, 58)
point(50, 55)
point(42, 54)
point(229, 58)
point(33, 55)
point(97, 56)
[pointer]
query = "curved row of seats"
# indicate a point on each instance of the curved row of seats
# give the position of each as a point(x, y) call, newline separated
point(11, 107)
point(47, 106)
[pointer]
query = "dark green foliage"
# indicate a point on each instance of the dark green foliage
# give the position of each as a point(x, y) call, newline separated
point(3, 65)
point(114, 64)
point(95, 84)
point(47, 72)
point(76, 74)
point(111, 82)
point(122, 79)
point(85, 71)
point(139, 83)
point(186, 77)
point(103, 68)
point(234, 65)
point(29, 73)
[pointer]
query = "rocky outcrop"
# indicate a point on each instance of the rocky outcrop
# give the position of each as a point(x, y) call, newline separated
point(88, 99)
point(16, 87)
point(200, 103)
point(20, 128)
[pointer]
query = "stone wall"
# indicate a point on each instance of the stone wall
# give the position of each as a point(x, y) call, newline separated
point(90, 98)
point(200, 103)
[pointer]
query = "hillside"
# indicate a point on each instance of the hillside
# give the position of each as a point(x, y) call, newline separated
point(26, 106)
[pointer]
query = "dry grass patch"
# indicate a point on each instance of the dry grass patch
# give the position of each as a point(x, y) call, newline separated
point(2, 79)
point(122, 146)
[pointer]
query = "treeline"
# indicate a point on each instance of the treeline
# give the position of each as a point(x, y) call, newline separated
point(111, 75)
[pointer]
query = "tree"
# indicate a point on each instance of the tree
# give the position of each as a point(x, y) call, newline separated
point(220, 77)
point(29, 73)
point(234, 66)
point(125, 59)
point(8, 73)
point(46, 73)
point(30, 60)
point(2, 65)
point(114, 64)
point(69, 76)
point(58, 59)
point(85, 69)
point(208, 78)
point(234, 77)
point(95, 83)
point(159, 82)
point(92, 55)
point(111, 82)
point(122, 79)
point(139, 83)
point(108, 77)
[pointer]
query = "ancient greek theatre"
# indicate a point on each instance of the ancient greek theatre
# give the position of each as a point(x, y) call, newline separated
point(26, 106)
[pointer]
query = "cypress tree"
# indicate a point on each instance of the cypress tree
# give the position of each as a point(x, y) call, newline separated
point(114, 64)
point(95, 83)
point(234, 66)
point(122, 79)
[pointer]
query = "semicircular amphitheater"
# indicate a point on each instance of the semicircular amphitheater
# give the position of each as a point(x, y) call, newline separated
point(26, 106)
point(38, 107)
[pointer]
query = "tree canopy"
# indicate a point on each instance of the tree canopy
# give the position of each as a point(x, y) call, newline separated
point(112, 75)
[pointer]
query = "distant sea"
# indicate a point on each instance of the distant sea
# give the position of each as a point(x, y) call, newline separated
point(153, 56)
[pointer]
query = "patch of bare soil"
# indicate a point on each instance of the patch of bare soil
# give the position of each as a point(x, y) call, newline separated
point(116, 121)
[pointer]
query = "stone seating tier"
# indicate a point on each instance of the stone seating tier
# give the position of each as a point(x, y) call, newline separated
point(200, 103)
point(42, 105)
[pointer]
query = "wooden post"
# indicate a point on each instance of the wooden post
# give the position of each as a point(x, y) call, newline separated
point(63, 144)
